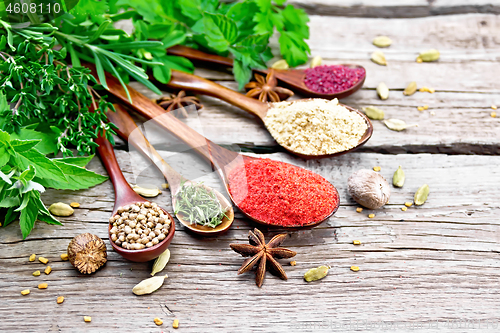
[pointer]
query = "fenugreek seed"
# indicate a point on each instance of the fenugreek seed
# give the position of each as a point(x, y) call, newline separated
point(398, 179)
point(420, 108)
point(164, 186)
point(426, 107)
point(64, 256)
point(378, 57)
point(293, 263)
point(36, 273)
point(47, 270)
point(316, 273)
point(419, 60)
point(60, 299)
point(410, 89)
point(158, 321)
point(494, 107)
point(371, 216)
point(376, 168)
point(382, 41)
point(316, 61)
point(87, 319)
point(374, 113)
point(356, 242)
point(354, 268)
point(175, 324)
point(32, 257)
point(25, 292)
point(280, 64)
point(43, 260)
point(408, 204)
point(383, 91)
point(427, 89)
point(493, 114)
point(429, 55)
point(43, 286)
point(359, 209)
point(404, 209)
point(74, 204)
point(421, 195)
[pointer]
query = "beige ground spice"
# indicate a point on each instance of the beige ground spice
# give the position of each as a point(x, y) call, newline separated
point(315, 126)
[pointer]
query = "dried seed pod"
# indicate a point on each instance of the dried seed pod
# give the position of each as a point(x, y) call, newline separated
point(149, 285)
point(429, 55)
point(378, 57)
point(383, 91)
point(421, 195)
point(397, 124)
point(398, 179)
point(87, 253)
point(32, 257)
point(146, 192)
point(61, 209)
point(280, 64)
point(161, 262)
point(316, 61)
point(374, 113)
point(316, 273)
point(369, 188)
point(382, 41)
point(410, 89)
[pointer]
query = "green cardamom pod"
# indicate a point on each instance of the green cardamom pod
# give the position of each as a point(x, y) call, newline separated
point(316, 273)
point(421, 195)
point(146, 192)
point(429, 55)
point(410, 89)
point(378, 57)
point(149, 285)
point(398, 179)
point(280, 64)
point(397, 124)
point(316, 61)
point(383, 91)
point(382, 41)
point(374, 113)
point(161, 262)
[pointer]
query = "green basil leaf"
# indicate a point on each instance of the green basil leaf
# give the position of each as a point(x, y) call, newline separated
point(28, 215)
point(45, 168)
point(78, 178)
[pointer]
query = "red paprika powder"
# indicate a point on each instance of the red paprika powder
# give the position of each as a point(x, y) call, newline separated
point(331, 79)
point(281, 194)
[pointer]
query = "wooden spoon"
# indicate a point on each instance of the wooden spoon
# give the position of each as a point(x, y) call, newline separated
point(181, 80)
point(223, 160)
point(293, 78)
point(128, 130)
point(125, 195)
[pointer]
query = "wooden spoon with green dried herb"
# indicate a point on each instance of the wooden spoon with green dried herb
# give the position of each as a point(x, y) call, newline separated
point(198, 207)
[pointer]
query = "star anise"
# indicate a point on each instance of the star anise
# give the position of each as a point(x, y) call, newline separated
point(177, 103)
point(263, 253)
point(266, 89)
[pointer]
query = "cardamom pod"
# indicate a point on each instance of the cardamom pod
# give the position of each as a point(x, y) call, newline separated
point(429, 55)
point(383, 91)
point(410, 89)
point(316, 273)
point(397, 124)
point(374, 113)
point(161, 262)
point(382, 41)
point(378, 57)
point(149, 285)
point(280, 64)
point(421, 195)
point(316, 61)
point(146, 192)
point(61, 209)
point(398, 179)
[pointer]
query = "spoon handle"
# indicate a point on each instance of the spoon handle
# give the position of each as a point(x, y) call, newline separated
point(128, 130)
point(185, 81)
point(197, 55)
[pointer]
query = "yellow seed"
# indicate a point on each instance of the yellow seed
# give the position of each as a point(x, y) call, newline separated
point(419, 60)
point(175, 324)
point(43, 260)
point(316, 61)
point(359, 209)
point(376, 168)
point(25, 292)
point(64, 256)
point(158, 321)
point(408, 204)
point(371, 216)
point(60, 299)
point(43, 286)
point(74, 204)
point(164, 186)
point(354, 268)
point(426, 107)
point(356, 242)
point(494, 107)
point(36, 273)
point(432, 91)
point(47, 270)
point(404, 209)
point(32, 257)
point(420, 108)
point(293, 263)
point(87, 319)
point(493, 114)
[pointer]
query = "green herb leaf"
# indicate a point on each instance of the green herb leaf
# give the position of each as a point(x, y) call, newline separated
point(78, 177)
point(28, 215)
point(45, 168)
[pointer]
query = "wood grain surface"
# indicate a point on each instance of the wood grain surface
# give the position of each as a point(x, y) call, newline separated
point(432, 268)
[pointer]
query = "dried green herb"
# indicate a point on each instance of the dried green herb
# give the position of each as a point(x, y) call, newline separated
point(421, 195)
point(398, 179)
point(198, 205)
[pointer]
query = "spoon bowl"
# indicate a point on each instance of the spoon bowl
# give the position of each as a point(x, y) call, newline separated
point(125, 195)
point(128, 131)
point(293, 78)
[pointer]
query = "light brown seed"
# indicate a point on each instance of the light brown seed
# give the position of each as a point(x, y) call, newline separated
point(60, 299)
point(43, 286)
point(43, 260)
point(32, 257)
point(25, 292)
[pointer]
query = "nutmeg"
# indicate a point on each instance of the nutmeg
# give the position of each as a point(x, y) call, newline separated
point(368, 188)
point(87, 253)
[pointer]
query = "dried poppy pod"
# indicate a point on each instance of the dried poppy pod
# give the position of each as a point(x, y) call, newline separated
point(87, 253)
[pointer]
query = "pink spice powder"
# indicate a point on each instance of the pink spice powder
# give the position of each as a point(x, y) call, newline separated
point(330, 79)
point(280, 193)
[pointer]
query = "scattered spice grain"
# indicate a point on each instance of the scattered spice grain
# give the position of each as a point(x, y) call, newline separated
point(356, 242)
point(43, 260)
point(293, 263)
point(493, 114)
point(36, 273)
point(408, 204)
point(420, 108)
point(427, 89)
point(87, 319)
point(158, 321)
point(331, 79)
point(376, 168)
point(32, 257)
point(175, 324)
point(25, 292)
point(64, 256)
point(371, 216)
point(315, 126)
point(47, 270)
point(354, 268)
point(281, 194)
point(43, 286)
point(494, 107)
point(74, 204)
point(404, 209)
point(60, 299)
point(359, 209)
